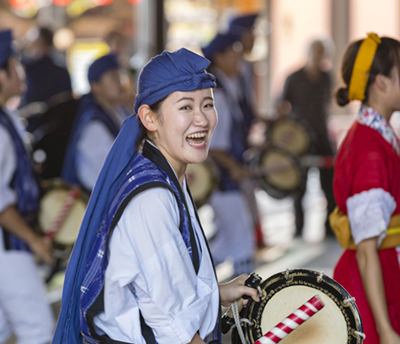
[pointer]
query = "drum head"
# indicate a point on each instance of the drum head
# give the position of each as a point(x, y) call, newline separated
point(282, 173)
point(55, 195)
point(202, 180)
point(290, 135)
point(286, 292)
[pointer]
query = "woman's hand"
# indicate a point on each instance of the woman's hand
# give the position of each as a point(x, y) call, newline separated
point(235, 289)
point(41, 248)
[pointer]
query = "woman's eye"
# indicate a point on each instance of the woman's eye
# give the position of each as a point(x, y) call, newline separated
point(186, 107)
point(211, 105)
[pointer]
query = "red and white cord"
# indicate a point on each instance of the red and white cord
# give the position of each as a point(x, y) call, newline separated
point(294, 320)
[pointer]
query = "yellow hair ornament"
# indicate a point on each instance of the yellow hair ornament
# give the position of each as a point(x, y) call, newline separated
point(362, 66)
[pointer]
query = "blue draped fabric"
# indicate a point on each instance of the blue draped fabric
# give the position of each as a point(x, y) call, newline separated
point(141, 172)
point(24, 184)
point(178, 71)
point(88, 111)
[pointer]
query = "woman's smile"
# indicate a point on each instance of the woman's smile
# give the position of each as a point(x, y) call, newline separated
point(197, 140)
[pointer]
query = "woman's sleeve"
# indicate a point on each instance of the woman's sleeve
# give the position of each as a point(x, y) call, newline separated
point(371, 205)
point(8, 165)
point(149, 266)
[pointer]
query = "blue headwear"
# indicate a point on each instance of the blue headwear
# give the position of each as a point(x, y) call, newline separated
point(6, 49)
point(178, 71)
point(102, 65)
point(238, 24)
point(219, 43)
point(181, 70)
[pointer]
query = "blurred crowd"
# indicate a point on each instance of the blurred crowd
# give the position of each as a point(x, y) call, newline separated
point(69, 138)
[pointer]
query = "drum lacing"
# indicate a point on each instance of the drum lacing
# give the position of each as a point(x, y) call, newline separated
point(238, 322)
point(346, 301)
point(360, 334)
point(319, 278)
point(287, 274)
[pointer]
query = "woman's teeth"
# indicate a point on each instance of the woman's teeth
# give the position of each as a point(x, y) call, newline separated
point(196, 135)
point(196, 139)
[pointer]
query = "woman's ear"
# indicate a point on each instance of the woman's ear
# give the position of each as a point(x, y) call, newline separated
point(148, 117)
point(381, 82)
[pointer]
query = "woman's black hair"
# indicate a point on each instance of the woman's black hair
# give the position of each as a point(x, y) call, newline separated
point(155, 107)
point(386, 57)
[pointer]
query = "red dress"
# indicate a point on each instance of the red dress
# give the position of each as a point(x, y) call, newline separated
point(367, 161)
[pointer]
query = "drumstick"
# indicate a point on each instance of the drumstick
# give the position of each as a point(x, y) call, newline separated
point(287, 325)
point(62, 214)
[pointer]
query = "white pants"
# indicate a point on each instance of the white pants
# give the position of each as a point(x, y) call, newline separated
point(24, 309)
point(234, 236)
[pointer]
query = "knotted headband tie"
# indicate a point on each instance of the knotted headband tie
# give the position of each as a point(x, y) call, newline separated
point(362, 67)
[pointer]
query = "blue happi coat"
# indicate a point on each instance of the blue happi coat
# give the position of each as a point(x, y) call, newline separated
point(146, 171)
point(89, 110)
point(24, 184)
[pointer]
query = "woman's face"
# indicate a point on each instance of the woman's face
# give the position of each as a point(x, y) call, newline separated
point(185, 124)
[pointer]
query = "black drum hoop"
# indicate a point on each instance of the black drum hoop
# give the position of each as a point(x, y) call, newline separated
point(300, 277)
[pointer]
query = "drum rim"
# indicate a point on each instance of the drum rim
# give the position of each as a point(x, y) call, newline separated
point(350, 310)
point(48, 185)
point(268, 187)
point(299, 121)
point(215, 180)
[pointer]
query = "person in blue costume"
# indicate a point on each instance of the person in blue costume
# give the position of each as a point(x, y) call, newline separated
point(234, 238)
point(96, 126)
point(24, 310)
point(245, 83)
point(47, 78)
point(244, 26)
point(141, 271)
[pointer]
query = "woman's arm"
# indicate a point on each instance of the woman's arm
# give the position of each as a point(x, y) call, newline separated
point(12, 221)
point(371, 275)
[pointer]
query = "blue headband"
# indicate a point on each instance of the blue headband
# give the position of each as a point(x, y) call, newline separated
point(238, 24)
point(6, 49)
point(181, 70)
point(219, 43)
point(102, 65)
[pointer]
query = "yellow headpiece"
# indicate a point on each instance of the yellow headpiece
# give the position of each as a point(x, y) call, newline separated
point(362, 66)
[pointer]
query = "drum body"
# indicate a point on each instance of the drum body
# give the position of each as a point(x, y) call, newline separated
point(338, 322)
point(55, 195)
point(202, 179)
point(290, 135)
point(278, 172)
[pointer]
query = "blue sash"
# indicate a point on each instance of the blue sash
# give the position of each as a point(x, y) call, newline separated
point(239, 133)
point(143, 174)
point(88, 111)
point(24, 184)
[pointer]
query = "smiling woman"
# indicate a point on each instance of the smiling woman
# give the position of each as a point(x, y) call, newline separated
point(141, 271)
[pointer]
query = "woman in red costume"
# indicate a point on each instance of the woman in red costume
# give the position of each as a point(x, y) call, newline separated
point(367, 188)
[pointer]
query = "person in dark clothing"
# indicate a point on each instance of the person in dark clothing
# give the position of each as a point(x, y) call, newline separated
point(306, 96)
point(48, 103)
point(46, 77)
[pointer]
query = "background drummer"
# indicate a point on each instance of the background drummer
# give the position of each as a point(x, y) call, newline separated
point(99, 119)
point(23, 306)
point(234, 236)
point(307, 97)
